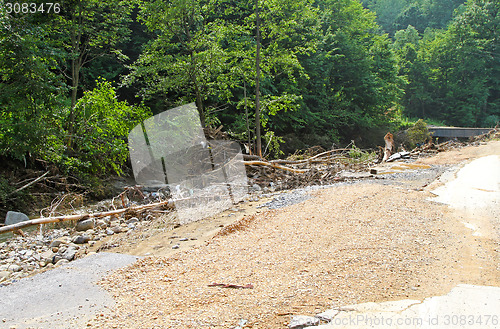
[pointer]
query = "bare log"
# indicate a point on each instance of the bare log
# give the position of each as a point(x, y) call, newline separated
point(389, 146)
point(274, 165)
point(29, 184)
point(251, 157)
point(308, 159)
point(47, 220)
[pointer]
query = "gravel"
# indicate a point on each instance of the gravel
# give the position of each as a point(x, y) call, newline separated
point(410, 178)
point(347, 244)
point(287, 199)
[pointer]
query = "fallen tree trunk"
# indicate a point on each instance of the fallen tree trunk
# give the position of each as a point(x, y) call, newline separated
point(47, 220)
point(251, 157)
point(273, 165)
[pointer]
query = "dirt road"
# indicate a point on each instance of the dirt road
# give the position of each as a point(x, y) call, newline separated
point(376, 241)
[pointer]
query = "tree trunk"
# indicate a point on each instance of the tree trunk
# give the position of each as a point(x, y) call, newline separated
point(246, 116)
point(389, 146)
point(75, 78)
point(199, 102)
point(257, 82)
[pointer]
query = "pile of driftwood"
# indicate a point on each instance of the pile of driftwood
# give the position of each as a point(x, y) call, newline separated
point(492, 134)
point(310, 168)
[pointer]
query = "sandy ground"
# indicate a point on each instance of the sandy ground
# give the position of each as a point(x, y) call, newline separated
point(369, 241)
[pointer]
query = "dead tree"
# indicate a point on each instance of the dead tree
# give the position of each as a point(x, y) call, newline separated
point(389, 146)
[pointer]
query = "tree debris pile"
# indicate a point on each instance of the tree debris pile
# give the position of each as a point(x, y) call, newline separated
point(300, 170)
point(492, 134)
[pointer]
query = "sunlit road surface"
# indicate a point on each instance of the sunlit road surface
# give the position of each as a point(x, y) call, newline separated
point(475, 189)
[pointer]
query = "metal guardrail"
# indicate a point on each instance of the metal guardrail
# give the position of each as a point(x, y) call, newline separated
point(456, 132)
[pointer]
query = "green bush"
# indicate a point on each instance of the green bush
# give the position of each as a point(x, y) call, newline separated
point(99, 143)
point(418, 133)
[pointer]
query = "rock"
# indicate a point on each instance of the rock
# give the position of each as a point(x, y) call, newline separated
point(14, 217)
point(175, 246)
point(183, 239)
point(81, 239)
point(101, 224)
point(303, 321)
point(256, 188)
point(61, 240)
point(36, 257)
point(84, 225)
point(116, 229)
point(15, 268)
point(131, 226)
point(28, 253)
point(109, 231)
point(4, 275)
point(107, 220)
point(132, 220)
point(56, 258)
point(62, 262)
point(69, 254)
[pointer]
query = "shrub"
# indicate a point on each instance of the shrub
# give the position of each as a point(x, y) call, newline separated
point(418, 133)
point(101, 127)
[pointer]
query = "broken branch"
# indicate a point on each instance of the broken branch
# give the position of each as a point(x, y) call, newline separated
point(274, 165)
point(29, 184)
point(57, 219)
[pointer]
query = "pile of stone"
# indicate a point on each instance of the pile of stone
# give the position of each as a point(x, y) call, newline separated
point(37, 252)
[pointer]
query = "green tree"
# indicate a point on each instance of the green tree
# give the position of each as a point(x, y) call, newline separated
point(31, 91)
point(102, 124)
point(464, 67)
point(353, 81)
point(206, 51)
point(88, 30)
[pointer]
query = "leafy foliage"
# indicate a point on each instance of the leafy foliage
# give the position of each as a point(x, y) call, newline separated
point(101, 130)
point(394, 15)
point(453, 74)
point(31, 91)
point(418, 133)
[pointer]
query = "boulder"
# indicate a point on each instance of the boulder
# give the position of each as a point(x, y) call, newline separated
point(84, 225)
point(61, 240)
point(62, 261)
point(81, 239)
point(15, 268)
point(4, 275)
point(69, 253)
point(132, 220)
point(14, 217)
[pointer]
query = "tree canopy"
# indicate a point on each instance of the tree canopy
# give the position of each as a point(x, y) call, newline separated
point(324, 71)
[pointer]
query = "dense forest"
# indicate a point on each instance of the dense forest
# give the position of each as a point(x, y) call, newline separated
point(76, 76)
